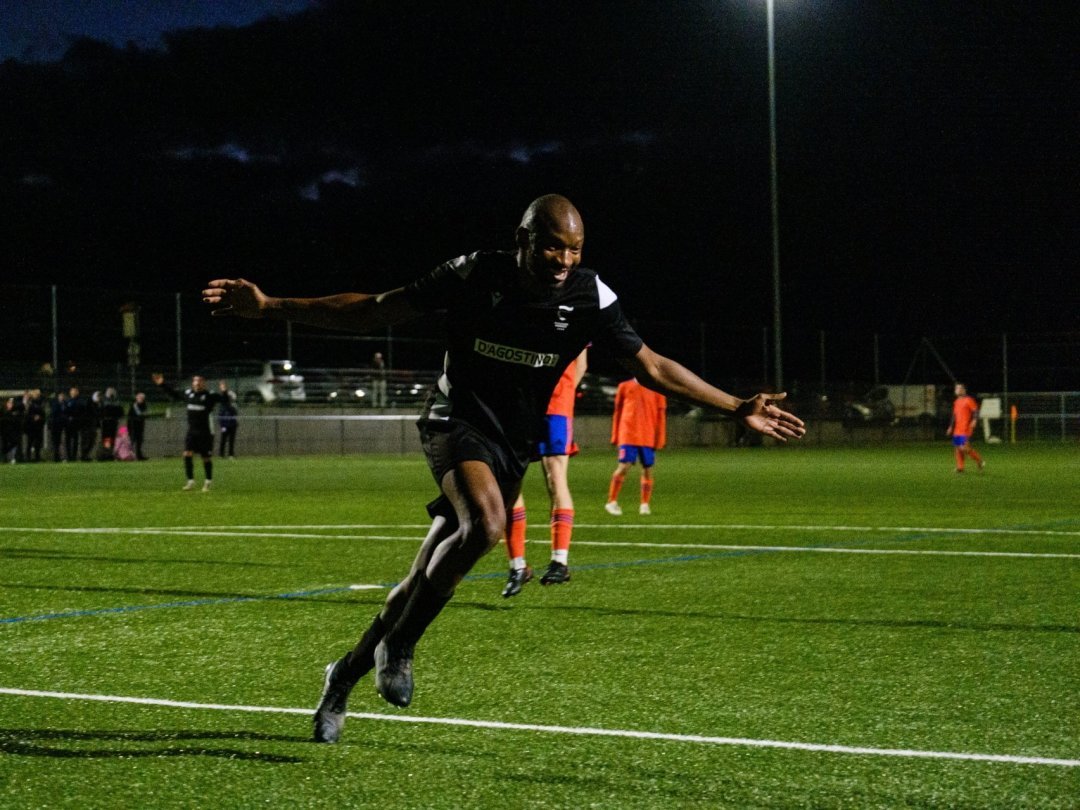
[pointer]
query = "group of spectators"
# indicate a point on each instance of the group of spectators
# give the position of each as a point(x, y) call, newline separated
point(76, 427)
point(79, 427)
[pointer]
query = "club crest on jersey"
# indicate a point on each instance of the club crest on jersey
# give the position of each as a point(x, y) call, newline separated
point(509, 354)
point(561, 323)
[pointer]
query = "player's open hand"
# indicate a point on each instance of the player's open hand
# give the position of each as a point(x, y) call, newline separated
point(234, 296)
point(761, 413)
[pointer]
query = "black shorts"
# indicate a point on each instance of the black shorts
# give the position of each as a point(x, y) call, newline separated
point(449, 443)
point(199, 442)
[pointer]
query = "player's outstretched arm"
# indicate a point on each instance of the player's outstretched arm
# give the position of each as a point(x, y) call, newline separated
point(758, 413)
point(354, 312)
point(159, 381)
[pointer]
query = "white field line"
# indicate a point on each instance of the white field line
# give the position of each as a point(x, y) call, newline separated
point(601, 543)
point(576, 730)
point(275, 528)
point(825, 550)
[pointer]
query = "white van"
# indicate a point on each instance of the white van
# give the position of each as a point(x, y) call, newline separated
point(258, 381)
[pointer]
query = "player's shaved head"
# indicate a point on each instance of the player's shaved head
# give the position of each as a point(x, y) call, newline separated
point(549, 239)
point(552, 213)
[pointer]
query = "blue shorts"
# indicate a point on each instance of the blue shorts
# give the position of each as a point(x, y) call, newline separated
point(628, 454)
point(559, 437)
point(959, 441)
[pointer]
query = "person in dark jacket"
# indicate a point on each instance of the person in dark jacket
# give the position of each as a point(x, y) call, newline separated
point(57, 425)
point(228, 418)
point(80, 425)
point(10, 430)
point(136, 424)
point(110, 411)
point(34, 425)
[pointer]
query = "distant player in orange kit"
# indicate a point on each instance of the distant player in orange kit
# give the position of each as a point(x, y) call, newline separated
point(965, 413)
point(554, 451)
point(638, 429)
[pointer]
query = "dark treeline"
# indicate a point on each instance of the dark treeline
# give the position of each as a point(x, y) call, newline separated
point(358, 143)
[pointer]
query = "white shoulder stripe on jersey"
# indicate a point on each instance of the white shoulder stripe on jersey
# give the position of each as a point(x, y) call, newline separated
point(605, 293)
point(463, 265)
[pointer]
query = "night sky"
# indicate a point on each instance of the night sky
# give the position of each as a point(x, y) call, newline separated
point(927, 151)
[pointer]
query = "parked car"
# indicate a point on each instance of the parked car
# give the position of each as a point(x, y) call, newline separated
point(892, 404)
point(357, 387)
point(596, 394)
point(259, 381)
point(874, 408)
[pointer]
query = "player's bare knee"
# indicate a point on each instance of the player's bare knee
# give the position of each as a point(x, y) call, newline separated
point(395, 600)
point(493, 528)
point(483, 531)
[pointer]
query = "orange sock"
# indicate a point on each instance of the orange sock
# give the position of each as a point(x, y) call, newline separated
point(562, 525)
point(515, 538)
point(646, 490)
point(616, 485)
point(959, 459)
point(975, 456)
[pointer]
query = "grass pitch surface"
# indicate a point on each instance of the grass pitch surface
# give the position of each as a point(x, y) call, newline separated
point(791, 627)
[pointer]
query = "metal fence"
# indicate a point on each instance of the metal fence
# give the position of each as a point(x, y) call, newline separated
point(97, 337)
point(1043, 415)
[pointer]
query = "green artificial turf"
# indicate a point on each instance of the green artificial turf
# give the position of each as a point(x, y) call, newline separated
point(774, 596)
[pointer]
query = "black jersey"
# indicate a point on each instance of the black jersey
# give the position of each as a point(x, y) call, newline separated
point(507, 348)
point(199, 404)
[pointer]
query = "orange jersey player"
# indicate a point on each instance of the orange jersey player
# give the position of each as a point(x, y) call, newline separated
point(638, 429)
point(965, 412)
point(554, 449)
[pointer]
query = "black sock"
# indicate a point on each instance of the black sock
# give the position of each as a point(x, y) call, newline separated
point(360, 660)
point(189, 467)
point(208, 468)
point(423, 605)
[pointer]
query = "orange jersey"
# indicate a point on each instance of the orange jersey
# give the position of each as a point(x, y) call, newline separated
point(562, 398)
point(640, 416)
point(963, 413)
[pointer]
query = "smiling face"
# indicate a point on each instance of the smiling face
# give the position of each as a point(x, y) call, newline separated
point(550, 240)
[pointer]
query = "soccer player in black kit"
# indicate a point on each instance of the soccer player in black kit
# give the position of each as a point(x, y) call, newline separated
point(199, 401)
point(515, 320)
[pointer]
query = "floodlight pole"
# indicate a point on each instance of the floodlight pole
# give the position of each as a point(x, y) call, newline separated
point(55, 334)
point(179, 344)
point(778, 362)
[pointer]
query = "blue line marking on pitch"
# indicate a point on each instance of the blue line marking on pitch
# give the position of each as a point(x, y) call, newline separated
point(72, 614)
point(682, 558)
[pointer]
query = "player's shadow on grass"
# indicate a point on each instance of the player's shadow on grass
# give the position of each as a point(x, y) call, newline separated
point(51, 554)
point(65, 744)
point(933, 624)
point(162, 592)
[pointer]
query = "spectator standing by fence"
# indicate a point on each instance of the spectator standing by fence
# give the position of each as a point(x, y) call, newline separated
point(78, 415)
point(10, 430)
point(34, 425)
point(136, 424)
point(57, 425)
point(19, 416)
point(228, 418)
point(111, 412)
point(378, 380)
